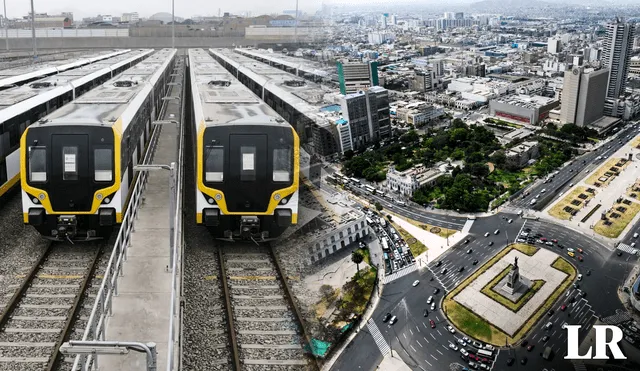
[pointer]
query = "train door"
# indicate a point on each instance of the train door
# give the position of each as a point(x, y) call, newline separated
point(248, 173)
point(70, 173)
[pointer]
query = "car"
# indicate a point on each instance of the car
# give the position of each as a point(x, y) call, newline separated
point(451, 329)
point(496, 231)
point(510, 221)
point(635, 235)
point(473, 356)
point(545, 338)
point(460, 269)
point(466, 339)
point(523, 360)
point(415, 283)
point(436, 291)
point(580, 277)
point(580, 250)
point(550, 312)
point(619, 253)
point(580, 258)
point(564, 325)
point(521, 240)
point(571, 254)
point(576, 286)
point(537, 196)
point(469, 251)
point(387, 317)
point(464, 352)
point(393, 320)
point(432, 323)
point(549, 243)
point(475, 261)
point(510, 361)
point(466, 241)
point(429, 299)
point(530, 347)
point(462, 343)
point(444, 271)
point(524, 343)
point(589, 272)
point(439, 263)
point(572, 300)
point(543, 190)
point(476, 344)
point(426, 313)
point(490, 243)
point(560, 246)
point(554, 240)
point(487, 234)
point(563, 307)
point(524, 234)
point(583, 294)
point(453, 346)
point(484, 367)
point(433, 306)
point(473, 365)
point(543, 239)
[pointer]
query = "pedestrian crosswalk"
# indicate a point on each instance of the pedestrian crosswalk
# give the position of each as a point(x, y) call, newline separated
point(467, 226)
point(381, 342)
point(400, 273)
point(616, 318)
point(626, 248)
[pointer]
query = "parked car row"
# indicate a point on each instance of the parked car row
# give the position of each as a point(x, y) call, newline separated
point(396, 251)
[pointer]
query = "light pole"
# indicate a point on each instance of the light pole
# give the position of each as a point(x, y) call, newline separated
point(173, 24)
point(33, 33)
point(295, 28)
point(6, 26)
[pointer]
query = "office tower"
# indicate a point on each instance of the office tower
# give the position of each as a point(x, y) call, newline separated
point(554, 46)
point(583, 95)
point(355, 76)
point(618, 45)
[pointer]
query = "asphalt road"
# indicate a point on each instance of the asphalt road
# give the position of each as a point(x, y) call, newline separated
point(580, 167)
point(424, 348)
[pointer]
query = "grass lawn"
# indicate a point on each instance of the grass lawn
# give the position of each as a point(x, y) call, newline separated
point(630, 191)
point(507, 178)
point(367, 256)
point(442, 232)
point(557, 211)
point(356, 293)
point(636, 142)
point(603, 169)
point(619, 224)
point(476, 327)
point(416, 246)
point(491, 291)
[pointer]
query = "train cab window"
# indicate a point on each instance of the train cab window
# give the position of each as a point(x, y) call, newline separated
point(248, 157)
point(103, 165)
point(281, 165)
point(214, 163)
point(37, 164)
point(70, 161)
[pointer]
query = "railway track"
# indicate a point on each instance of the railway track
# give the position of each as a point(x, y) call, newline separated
point(263, 325)
point(39, 315)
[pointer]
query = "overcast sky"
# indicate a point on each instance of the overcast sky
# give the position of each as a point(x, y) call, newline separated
point(184, 8)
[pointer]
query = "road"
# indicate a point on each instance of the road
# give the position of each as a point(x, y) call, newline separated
point(577, 169)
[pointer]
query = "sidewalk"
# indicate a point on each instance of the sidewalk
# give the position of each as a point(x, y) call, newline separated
point(393, 363)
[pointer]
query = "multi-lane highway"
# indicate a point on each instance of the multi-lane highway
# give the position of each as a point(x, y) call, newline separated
point(576, 169)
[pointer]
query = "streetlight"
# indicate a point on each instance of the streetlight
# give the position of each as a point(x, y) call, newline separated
point(6, 25)
point(173, 24)
point(33, 33)
point(173, 198)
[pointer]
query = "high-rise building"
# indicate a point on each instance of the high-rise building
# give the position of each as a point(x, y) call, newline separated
point(583, 95)
point(394, 19)
point(617, 48)
point(449, 15)
point(365, 118)
point(355, 76)
point(554, 45)
point(458, 15)
point(423, 81)
point(438, 66)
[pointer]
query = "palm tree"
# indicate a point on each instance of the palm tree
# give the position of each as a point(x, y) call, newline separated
point(357, 258)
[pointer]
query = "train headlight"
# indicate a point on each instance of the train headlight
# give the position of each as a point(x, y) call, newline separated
point(35, 200)
point(276, 197)
point(210, 200)
point(218, 197)
point(284, 201)
point(41, 196)
point(99, 196)
point(107, 200)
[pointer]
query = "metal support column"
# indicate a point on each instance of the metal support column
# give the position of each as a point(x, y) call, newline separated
point(33, 33)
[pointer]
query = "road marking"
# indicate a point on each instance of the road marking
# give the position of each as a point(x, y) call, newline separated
point(417, 328)
point(425, 339)
point(554, 332)
point(434, 338)
point(437, 319)
point(534, 337)
point(419, 344)
point(440, 333)
point(434, 357)
point(406, 352)
point(430, 365)
point(412, 348)
point(411, 331)
point(438, 350)
point(425, 326)
point(403, 334)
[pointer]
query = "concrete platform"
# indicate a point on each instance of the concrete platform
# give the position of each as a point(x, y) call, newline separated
point(141, 310)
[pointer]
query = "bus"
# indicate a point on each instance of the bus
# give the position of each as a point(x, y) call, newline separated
point(485, 353)
point(385, 245)
point(369, 188)
point(354, 180)
point(400, 203)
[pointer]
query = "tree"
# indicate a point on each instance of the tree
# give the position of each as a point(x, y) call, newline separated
point(378, 206)
point(357, 258)
point(327, 292)
point(348, 154)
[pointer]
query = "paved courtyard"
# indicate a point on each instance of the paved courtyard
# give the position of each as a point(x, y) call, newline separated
point(536, 267)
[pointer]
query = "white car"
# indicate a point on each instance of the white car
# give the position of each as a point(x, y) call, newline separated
point(524, 234)
point(522, 240)
point(486, 234)
point(564, 325)
point(489, 347)
point(453, 346)
point(510, 221)
point(451, 329)
point(543, 190)
point(429, 299)
point(635, 235)
point(464, 352)
point(415, 283)
point(462, 343)
point(433, 306)
point(569, 249)
point(580, 277)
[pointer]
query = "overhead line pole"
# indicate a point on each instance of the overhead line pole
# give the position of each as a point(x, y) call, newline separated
point(173, 24)
point(33, 33)
point(6, 27)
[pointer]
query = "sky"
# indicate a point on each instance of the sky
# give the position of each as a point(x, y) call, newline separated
point(184, 8)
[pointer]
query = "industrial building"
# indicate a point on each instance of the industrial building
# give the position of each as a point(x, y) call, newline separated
point(523, 108)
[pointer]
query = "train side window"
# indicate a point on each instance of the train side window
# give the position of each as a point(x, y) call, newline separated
point(214, 164)
point(281, 165)
point(70, 161)
point(37, 164)
point(248, 159)
point(103, 165)
point(4, 145)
